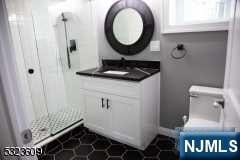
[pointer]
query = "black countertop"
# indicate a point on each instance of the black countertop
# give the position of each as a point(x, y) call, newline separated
point(137, 70)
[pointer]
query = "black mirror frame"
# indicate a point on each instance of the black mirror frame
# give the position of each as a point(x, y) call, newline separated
point(148, 26)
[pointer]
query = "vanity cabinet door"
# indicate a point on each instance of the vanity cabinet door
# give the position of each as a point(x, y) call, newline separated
point(125, 119)
point(96, 114)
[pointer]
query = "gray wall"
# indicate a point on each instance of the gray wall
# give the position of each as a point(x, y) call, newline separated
point(203, 65)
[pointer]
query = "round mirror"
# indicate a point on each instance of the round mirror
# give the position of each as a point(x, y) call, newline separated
point(128, 26)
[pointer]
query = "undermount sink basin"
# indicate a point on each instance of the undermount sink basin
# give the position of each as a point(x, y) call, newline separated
point(116, 72)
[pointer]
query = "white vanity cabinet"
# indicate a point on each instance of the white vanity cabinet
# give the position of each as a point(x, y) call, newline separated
point(123, 110)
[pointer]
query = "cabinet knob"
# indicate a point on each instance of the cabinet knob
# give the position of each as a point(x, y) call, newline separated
point(103, 103)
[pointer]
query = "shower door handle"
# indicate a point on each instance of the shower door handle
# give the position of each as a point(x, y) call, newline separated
point(30, 71)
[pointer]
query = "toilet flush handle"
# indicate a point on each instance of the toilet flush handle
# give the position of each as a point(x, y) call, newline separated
point(193, 96)
point(219, 104)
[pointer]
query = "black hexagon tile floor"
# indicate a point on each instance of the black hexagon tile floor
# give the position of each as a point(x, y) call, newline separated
point(82, 144)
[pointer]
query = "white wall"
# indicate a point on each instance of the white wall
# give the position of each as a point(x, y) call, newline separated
point(232, 76)
point(7, 138)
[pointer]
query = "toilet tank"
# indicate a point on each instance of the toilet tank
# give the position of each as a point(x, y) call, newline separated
point(201, 103)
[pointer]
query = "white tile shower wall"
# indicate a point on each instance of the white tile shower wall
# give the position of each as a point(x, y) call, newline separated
point(80, 28)
point(53, 79)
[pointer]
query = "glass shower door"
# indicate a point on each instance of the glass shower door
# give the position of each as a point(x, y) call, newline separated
point(29, 71)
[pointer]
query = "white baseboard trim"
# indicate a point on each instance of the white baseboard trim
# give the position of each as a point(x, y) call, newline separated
point(167, 132)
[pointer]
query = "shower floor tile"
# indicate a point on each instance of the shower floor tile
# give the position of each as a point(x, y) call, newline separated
point(82, 144)
point(51, 124)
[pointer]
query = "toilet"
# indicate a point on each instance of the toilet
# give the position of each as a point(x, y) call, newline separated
point(206, 109)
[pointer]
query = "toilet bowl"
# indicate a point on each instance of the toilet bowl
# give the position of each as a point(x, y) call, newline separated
point(206, 109)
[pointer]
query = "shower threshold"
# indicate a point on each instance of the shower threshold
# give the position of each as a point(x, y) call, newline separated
point(53, 124)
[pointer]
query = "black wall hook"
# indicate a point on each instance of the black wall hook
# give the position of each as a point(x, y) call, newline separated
point(181, 51)
point(180, 47)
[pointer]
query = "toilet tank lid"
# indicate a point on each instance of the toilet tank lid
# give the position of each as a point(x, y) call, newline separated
point(208, 91)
